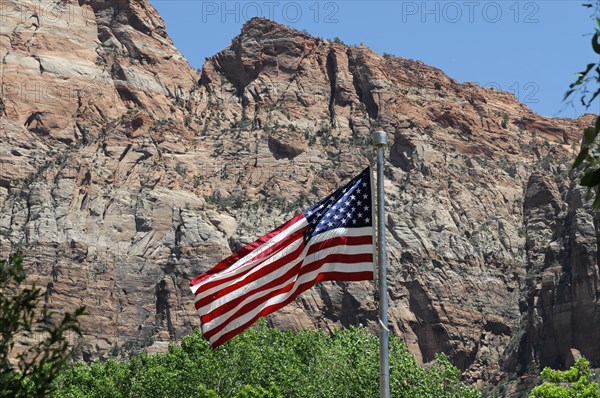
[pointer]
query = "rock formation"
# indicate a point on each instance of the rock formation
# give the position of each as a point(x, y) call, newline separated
point(125, 172)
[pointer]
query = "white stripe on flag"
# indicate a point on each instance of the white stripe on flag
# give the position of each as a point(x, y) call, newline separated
point(241, 265)
point(258, 266)
point(308, 260)
point(241, 321)
point(334, 233)
point(272, 271)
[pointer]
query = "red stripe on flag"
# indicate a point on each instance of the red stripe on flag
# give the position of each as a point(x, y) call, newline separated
point(339, 241)
point(223, 265)
point(237, 275)
point(282, 278)
point(272, 308)
point(271, 272)
point(229, 289)
point(341, 258)
point(304, 269)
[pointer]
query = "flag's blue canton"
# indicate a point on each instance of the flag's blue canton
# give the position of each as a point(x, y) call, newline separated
point(348, 207)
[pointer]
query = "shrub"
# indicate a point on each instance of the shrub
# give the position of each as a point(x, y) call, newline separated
point(264, 362)
point(35, 365)
point(572, 383)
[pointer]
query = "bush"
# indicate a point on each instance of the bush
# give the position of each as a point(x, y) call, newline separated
point(264, 362)
point(572, 383)
point(34, 366)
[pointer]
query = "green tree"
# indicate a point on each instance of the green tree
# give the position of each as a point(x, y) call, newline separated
point(258, 392)
point(572, 383)
point(265, 362)
point(34, 366)
point(589, 154)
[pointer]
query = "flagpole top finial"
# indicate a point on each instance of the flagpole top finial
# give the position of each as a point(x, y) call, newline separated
point(379, 138)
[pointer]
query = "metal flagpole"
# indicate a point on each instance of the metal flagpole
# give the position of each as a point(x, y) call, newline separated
point(380, 142)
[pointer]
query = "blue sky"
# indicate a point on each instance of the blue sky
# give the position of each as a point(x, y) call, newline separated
point(530, 48)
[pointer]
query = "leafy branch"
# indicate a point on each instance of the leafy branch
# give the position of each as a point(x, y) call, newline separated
point(589, 154)
point(28, 369)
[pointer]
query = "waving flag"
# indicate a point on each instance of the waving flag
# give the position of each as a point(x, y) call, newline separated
point(331, 240)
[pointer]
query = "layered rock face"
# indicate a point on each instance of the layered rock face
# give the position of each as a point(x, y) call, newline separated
point(150, 172)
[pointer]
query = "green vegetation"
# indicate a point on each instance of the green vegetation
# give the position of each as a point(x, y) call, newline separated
point(33, 337)
point(265, 362)
point(589, 154)
point(228, 202)
point(504, 120)
point(572, 383)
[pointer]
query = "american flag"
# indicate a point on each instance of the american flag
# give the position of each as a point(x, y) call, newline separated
point(331, 240)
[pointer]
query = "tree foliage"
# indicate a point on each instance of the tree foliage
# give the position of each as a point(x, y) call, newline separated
point(267, 363)
point(572, 383)
point(34, 338)
point(589, 154)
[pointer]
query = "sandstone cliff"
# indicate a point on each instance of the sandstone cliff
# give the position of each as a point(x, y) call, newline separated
point(125, 172)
